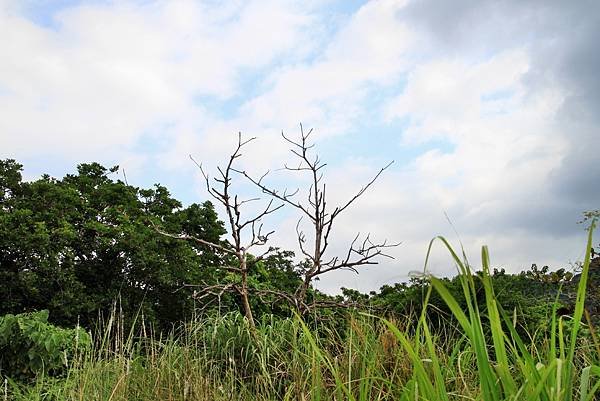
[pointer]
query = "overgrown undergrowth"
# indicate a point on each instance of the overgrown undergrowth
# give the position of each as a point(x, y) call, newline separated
point(367, 358)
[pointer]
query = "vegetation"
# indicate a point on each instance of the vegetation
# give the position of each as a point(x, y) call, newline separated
point(529, 295)
point(139, 315)
point(76, 246)
point(370, 358)
point(31, 346)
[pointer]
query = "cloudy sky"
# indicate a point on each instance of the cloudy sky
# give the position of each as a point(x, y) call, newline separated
point(490, 110)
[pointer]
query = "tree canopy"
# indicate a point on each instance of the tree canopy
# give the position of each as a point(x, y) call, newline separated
point(77, 245)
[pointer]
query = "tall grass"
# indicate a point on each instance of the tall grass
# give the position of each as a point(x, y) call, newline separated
point(369, 358)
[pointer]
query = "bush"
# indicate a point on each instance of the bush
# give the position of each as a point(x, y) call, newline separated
point(30, 346)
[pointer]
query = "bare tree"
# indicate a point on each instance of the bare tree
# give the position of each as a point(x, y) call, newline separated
point(237, 247)
point(362, 251)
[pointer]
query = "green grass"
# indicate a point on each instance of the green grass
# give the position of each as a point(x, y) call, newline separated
point(369, 358)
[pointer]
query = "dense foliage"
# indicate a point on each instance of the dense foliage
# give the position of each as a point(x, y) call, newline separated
point(528, 295)
point(368, 358)
point(77, 245)
point(30, 346)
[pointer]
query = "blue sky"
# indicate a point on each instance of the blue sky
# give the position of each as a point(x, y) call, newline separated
point(488, 109)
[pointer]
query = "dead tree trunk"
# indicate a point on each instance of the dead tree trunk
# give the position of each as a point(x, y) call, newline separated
point(244, 293)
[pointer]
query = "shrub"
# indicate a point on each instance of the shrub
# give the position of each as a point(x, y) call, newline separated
point(29, 346)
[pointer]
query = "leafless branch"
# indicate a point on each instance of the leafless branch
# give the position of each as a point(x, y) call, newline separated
point(340, 209)
point(285, 197)
point(220, 189)
point(194, 239)
point(315, 208)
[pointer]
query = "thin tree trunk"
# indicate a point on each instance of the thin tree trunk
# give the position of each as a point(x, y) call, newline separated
point(244, 294)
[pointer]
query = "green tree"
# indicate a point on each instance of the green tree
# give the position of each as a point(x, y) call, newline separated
point(76, 245)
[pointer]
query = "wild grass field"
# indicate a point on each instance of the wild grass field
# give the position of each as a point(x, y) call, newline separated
point(477, 355)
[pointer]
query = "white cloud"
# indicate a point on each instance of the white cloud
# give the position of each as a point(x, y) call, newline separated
point(330, 92)
point(107, 74)
point(505, 139)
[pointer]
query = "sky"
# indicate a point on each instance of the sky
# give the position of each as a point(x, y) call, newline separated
point(489, 110)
